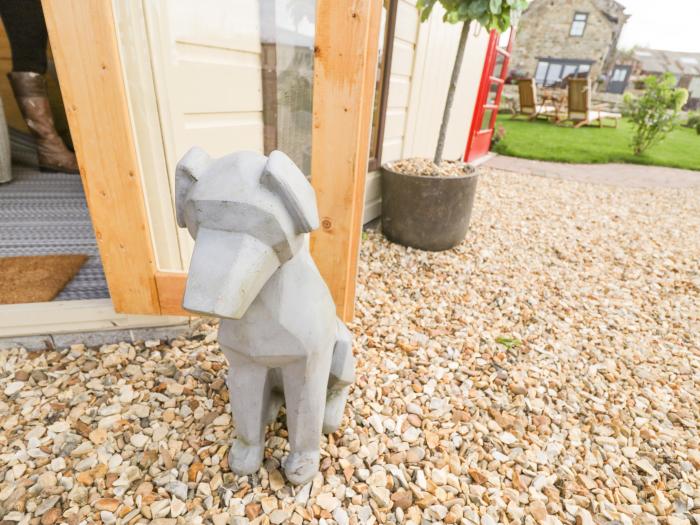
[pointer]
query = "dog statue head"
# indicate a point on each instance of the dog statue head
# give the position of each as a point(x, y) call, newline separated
point(248, 215)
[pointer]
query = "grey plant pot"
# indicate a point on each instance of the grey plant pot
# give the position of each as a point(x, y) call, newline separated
point(428, 213)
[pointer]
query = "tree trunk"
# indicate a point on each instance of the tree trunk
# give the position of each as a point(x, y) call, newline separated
point(451, 92)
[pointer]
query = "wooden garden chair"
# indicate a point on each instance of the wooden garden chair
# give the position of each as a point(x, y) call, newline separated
point(580, 111)
point(527, 91)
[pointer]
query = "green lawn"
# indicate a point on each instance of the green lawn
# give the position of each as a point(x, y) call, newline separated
point(543, 140)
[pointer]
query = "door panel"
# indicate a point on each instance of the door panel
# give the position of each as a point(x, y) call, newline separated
point(206, 57)
point(618, 79)
point(208, 79)
point(489, 97)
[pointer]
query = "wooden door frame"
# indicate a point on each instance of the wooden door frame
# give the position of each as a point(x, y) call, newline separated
point(84, 43)
point(86, 53)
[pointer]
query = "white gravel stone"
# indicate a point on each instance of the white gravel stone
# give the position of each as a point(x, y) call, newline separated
point(139, 440)
point(542, 372)
point(13, 388)
point(327, 502)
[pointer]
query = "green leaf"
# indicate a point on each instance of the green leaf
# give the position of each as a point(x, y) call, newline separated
point(492, 14)
point(425, 7)
point(509, 342)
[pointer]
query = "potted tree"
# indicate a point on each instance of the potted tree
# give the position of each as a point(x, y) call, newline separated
point(427, 204)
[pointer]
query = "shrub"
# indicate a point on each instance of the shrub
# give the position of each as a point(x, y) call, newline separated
point(498, 135)
point(656, 112)
point(694, 121)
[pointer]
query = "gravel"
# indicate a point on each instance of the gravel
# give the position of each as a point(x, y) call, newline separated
point(427, 168)
point(545, 371)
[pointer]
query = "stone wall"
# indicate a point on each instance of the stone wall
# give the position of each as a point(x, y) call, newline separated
point(544, 32)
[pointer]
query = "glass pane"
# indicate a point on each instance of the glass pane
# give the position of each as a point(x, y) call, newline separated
point(287, 39)
point(584, 68)
point(486, 120)
point(553, 74)
point(493, 92)
point(498, 67)
point(577, 28)
point(376, 115)
point(619, 75)
point(541, 71)
point(504, 38)
point(569, 69)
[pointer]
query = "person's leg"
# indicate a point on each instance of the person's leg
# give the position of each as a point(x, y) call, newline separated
point(26, 30)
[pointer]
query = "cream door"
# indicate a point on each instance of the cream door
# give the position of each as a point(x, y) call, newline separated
point(206, 59)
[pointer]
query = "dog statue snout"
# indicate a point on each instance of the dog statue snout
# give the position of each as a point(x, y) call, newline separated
point(250, 216)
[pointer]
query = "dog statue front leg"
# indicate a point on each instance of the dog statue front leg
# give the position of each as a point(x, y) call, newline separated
point(249, 394)
point(305, 381)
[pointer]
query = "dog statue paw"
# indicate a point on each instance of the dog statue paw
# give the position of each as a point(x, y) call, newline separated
point(250, 216)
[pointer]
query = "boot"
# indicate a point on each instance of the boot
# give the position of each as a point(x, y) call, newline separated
point(32, 97)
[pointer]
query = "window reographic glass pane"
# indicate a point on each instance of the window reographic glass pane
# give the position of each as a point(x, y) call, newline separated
point(486, 120)
point(541, 71)
point(578, 25)
point(569, 69)
point(287, 30)
point(619, 75)
point(553, 74)
point(493, 92)
point(549, 73)
point(504, 38)
point(498, 66)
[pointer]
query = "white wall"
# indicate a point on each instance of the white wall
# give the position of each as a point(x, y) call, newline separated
point(437, 46)
point(403, 58)
point(420, 73)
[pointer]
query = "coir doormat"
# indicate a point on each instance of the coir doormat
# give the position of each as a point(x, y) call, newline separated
point(36, 278)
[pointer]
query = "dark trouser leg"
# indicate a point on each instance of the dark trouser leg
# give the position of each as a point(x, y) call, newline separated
point(24, 22)
point(26, 30)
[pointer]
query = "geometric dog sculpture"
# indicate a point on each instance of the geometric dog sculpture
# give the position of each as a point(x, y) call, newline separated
point(250, 216)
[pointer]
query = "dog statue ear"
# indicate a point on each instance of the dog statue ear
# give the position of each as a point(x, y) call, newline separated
point(186, 173)
point(282, 177)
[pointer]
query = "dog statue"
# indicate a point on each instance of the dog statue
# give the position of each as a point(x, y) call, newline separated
point(250, 216)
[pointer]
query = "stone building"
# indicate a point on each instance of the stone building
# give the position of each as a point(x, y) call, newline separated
point(559, 38)
point(685, 66)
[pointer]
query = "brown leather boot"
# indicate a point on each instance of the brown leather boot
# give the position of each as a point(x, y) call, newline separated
point(30, 91)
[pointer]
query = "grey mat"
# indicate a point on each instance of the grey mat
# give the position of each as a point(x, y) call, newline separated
point(46, 213)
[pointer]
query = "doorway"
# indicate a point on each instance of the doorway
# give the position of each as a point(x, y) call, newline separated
point(489, 97)
point(48, 249)
point(618, 79)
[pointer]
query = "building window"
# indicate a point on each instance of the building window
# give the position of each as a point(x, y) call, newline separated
point(578, 25)
point(552, 71)
point(386, 45)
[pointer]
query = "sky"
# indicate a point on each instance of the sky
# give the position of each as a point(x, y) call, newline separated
point(672, 25)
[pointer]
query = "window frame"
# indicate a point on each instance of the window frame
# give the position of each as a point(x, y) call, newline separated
point(573, 21)
point(375, 162)
point(563, 62)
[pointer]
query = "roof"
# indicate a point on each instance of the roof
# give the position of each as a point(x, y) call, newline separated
point(612, 10)
point(660, 61)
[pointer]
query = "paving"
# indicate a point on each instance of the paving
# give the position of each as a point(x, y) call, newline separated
point(624, 175)
point(546, 371)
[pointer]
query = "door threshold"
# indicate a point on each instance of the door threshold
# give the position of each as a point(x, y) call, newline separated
point(93, 322)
